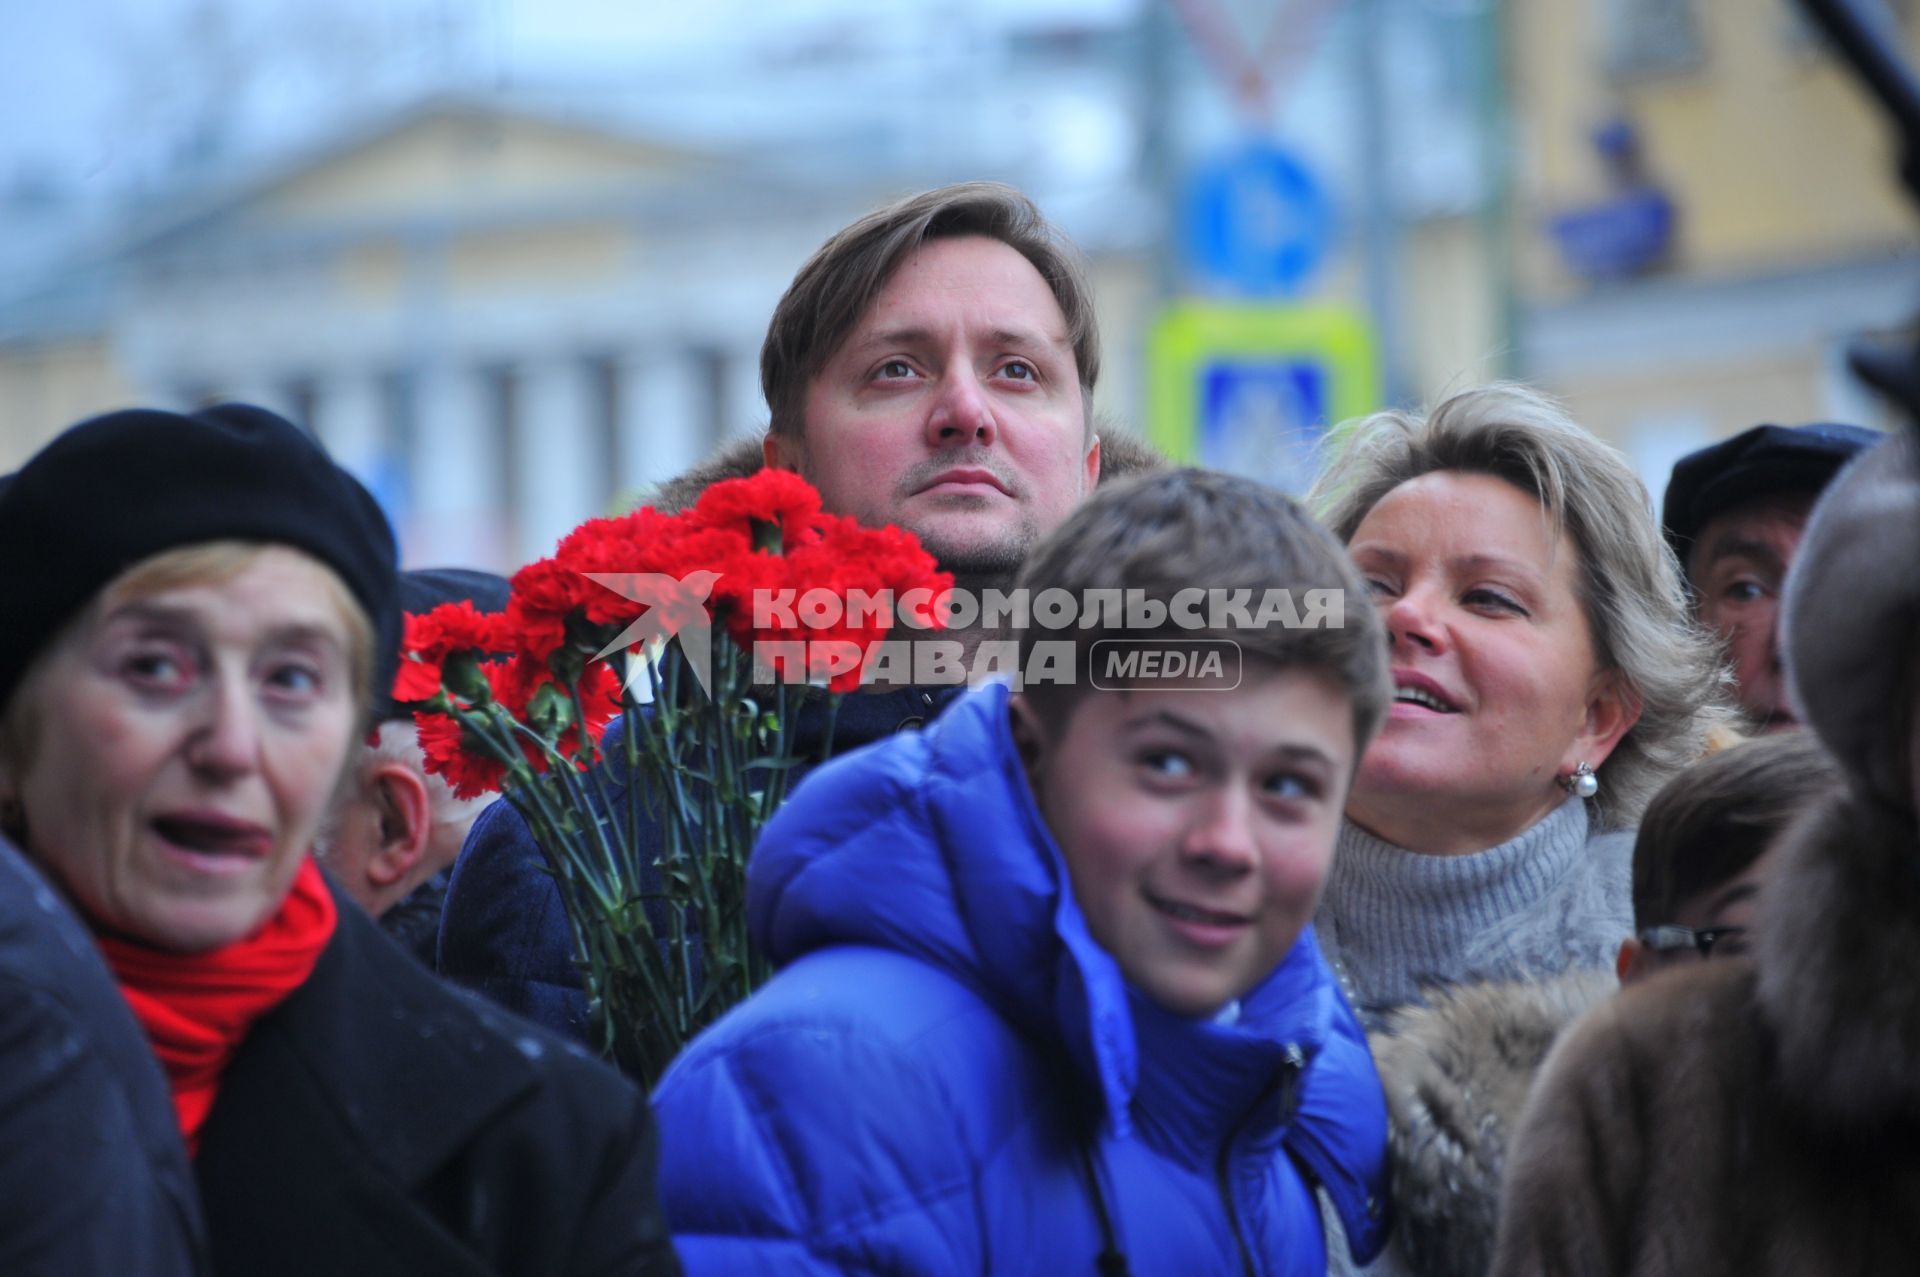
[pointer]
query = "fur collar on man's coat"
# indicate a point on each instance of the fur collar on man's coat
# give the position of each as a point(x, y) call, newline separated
point(1122, 454)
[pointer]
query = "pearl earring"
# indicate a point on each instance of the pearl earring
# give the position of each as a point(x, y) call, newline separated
point(1582, 782)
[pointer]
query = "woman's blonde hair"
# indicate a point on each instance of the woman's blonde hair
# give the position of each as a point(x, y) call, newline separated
point(1629, 584)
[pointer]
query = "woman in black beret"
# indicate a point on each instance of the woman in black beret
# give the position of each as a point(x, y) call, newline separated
point(200, 611)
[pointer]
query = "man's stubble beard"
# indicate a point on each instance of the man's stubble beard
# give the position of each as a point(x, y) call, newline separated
point(979, 568)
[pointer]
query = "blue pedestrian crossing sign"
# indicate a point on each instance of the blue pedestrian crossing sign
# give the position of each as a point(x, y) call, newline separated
point(1256, 222)
point(1253, 389)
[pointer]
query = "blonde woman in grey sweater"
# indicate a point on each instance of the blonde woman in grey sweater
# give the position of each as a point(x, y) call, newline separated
point(1548, 680)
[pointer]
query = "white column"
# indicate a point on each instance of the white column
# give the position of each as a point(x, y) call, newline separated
point(349, 418)
point(663, 416)
point(455, 520)
point(555, 454)
point(348, 410)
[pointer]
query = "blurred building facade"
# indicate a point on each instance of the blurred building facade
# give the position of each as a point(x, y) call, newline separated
point(1707, 215)
point(502, 323)
point(510, 309)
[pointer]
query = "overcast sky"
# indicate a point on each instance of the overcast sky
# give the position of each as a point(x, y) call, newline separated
point(108, 93)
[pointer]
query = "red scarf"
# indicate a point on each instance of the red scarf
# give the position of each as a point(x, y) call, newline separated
point(198, 1007)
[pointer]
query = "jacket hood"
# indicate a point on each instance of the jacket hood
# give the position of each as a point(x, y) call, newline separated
point(931, 844)
point(1852, 607)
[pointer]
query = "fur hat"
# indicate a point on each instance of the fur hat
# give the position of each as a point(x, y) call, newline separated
point(1852, 608)
point(118, 489)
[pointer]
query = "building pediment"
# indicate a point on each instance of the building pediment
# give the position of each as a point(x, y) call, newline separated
point(463, 161)
point(443, 165)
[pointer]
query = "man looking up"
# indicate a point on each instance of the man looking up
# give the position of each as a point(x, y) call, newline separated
point(932, 365)
point(1733, 514)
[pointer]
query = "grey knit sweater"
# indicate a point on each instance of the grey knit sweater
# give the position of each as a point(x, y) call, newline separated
point(1556, 898)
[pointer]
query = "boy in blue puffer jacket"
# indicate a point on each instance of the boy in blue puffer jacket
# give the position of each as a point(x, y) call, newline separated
point(1048, 1000)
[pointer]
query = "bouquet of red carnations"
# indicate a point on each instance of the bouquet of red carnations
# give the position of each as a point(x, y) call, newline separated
point(685, 627)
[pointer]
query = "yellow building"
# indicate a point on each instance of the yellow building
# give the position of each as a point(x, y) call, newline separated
point(1789, 236)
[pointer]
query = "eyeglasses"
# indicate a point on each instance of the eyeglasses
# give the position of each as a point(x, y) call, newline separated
point(1728, 942)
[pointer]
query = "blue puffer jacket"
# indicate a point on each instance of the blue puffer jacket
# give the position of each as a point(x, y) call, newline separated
point(948, 1076)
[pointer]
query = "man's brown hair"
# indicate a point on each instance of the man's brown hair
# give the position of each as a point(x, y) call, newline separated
point(1179, 530)
point(832, 292)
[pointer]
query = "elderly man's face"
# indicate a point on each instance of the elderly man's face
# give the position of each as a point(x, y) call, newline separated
point(1737, 566)
point(953, 409)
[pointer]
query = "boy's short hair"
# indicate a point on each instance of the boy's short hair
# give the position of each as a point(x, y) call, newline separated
point(1158, 535)
point(1713, 820)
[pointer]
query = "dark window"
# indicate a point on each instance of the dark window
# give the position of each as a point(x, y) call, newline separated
point(1652, 37)
point(503, 426)
point(400, 430)
point(604, 406)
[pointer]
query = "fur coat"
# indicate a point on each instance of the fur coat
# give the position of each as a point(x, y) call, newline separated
point(1757, 1118)
point(1457, 1072)
point(1762, 1117)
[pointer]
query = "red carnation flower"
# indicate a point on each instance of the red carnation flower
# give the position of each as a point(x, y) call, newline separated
point(431, 637)
point(778, 498)
point(470, 771)
point(415, 680)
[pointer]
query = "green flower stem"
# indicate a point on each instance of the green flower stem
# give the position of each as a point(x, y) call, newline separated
point(598, 952)
point(620, 860)
point(712, 769)
point(531, 800)
point(629, 733)
point(577, 817)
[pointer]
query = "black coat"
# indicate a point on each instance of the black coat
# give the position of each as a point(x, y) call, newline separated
point(93, 1176)
point(380, 1122)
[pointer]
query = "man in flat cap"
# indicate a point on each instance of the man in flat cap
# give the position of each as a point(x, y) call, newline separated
point(1734, 513)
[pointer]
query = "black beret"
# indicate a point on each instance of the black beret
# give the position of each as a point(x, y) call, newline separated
point(118, 489)
point(424, 589)
point(1761, 462)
